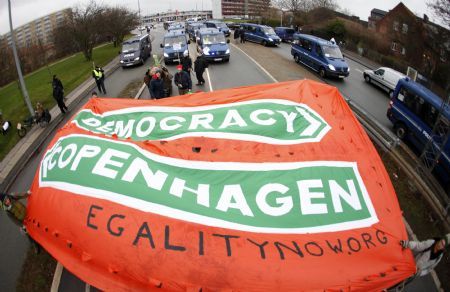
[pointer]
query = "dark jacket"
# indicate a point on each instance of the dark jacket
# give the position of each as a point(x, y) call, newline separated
point(200, 64)
point(156, 88)
point(58, 89)
point(186, 62)
point(184, 79)
point(236, 33)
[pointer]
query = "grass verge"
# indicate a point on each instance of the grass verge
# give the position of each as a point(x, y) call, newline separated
point(37, 272)
point(72, 71)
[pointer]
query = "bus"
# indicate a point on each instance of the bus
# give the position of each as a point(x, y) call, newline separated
point(414, 113)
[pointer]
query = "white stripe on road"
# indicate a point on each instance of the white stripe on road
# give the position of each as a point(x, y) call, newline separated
point(359, 71)
point(209, 80)
point(57, 278)
point(257, 64)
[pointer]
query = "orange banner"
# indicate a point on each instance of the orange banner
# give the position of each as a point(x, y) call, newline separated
point(260, 188)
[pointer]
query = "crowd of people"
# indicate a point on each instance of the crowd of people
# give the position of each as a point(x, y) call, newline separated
point(159, 80)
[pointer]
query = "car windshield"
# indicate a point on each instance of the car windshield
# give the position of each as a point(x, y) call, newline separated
point(268, 30)
point(210, 39)
point(332, 52)
point(290, 31)
point(220, 24)
point(175, 41)
point(130, 47)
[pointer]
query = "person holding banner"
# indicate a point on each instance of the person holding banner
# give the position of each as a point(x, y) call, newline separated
point(427, 253)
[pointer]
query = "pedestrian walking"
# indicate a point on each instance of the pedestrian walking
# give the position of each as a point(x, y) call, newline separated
point(186, 62)
point(200, 66)
point(156, 86)
point(58, 94)
point(17, 211)
point(242, 36)
point(99, 76)
point(183, 81)
point(236, 35)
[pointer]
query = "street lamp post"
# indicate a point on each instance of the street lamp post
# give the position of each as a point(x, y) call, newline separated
point(16, 59)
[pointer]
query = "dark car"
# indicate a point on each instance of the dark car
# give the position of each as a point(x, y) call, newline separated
point(286, 34)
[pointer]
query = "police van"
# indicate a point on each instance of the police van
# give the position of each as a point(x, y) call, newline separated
point(135, 50)
point(414, 112)
point(221, 26)
point(320, 55)
point(213, 45)
point(261, 34)
point(175, 46)
point(193, 27)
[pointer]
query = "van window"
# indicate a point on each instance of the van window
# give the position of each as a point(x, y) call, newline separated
point(268, 30)
point(379, 72)
point(130, 46)
point(209, 39)
point(332, 52)
point(416, 104)
point(318, 50)
point(174, 40)
point(305, 44)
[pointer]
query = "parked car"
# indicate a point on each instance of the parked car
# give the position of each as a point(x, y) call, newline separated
point(135, 50)
point(213, 45)
point(262, 34)
point(176, 26)
point(286, 34)
point(175, 45)
point(383, 77)
point(320, 55)
point(232, 25)
point(222, 27)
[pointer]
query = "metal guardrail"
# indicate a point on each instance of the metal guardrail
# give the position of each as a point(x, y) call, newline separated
point(437, 198)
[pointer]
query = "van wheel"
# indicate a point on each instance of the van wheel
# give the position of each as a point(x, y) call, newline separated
point(322, 72)
point(296, 58)
point(400, 130)
point(264, 43)
point(367, 78)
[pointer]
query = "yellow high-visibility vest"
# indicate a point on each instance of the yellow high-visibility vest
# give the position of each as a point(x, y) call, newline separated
point(98, 74)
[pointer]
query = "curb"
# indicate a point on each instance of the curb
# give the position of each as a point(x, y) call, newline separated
point(357, 60)
point(28, 147)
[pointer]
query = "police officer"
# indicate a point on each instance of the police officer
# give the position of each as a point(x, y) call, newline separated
point(200, 66)
point(99, 76)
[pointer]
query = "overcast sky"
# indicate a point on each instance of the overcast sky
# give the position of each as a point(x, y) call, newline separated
point(24, 11)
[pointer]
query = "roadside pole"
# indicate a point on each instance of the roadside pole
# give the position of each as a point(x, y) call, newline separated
point(17, 61)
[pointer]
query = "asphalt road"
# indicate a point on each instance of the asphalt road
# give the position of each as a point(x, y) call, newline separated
point(240, 71)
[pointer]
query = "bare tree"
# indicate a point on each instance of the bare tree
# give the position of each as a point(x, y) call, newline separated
point(118, 22)
point(84, 26)
point(295, 6)
point(441, 8)
point(330, 4)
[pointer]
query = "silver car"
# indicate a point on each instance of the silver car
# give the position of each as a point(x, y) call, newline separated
point(383, 77)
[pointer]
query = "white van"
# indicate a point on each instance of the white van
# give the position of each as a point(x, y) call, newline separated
point(383, 77)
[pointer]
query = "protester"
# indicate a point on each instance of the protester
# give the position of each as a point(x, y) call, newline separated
point(200, 66)
point(17, 211)
point(242, 35)
point(94, 94)
point(183, 81)
point(156, 86)
point(147, 79)
point(427, 253)
point(58, 94)
point(186, 62)
point(236, 35)
point(167, 78)
point(99, 76)
point(41, 114)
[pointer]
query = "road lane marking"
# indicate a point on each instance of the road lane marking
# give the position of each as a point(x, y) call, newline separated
point(257, 64)
point(359, 71)
point(57, 278)
point(209, 80)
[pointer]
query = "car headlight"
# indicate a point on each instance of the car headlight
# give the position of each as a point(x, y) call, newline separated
point(227, 51)
point(137, 58)
point(206, 51)
point(166, 55)
point(121, 61)
point(348, 69)
point(331, 67)
point(186, 52)
point(271, 39)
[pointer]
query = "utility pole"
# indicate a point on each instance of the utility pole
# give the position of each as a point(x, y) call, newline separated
point(140, 19)
point(19, 69)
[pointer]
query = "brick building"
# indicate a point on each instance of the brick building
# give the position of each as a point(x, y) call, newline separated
point(419, 42)
point(242, 8)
